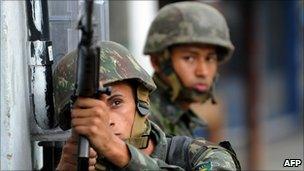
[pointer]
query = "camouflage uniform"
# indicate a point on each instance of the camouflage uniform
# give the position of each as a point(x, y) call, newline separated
point(177, 153)
point(177, 24)
point(170, 153)
point(170, 117)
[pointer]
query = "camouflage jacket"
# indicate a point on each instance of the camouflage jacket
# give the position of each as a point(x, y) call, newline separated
point(176, 153)
point(171, 118)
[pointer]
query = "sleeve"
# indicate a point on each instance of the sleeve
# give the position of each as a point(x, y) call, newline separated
point(140, 161)
point(212, 158)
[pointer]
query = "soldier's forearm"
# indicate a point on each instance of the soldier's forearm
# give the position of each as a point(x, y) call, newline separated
point(117, 152)
point(141, 161)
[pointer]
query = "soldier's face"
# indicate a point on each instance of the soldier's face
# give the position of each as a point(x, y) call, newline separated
point(121, 105)
point(195, 65)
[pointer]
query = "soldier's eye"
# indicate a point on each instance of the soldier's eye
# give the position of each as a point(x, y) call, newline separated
point(116, 103)
point(211, 58)
point(188, 58)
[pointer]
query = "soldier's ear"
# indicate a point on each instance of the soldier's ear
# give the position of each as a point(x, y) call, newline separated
point(155, 62)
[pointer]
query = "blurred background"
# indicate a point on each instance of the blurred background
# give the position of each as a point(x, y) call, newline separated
point(260, 90)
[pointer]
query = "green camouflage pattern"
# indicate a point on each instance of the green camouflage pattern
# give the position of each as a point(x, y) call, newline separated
point(116, 64)
point(193, 154)
point(183, 23)
point(170, 117)
point(189, 22)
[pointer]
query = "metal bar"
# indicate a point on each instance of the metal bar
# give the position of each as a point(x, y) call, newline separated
point(104, 20)
point(251, 78)
point(41, 60)
point(41, 82)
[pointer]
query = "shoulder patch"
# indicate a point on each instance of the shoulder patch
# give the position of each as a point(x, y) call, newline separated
point(205, 166)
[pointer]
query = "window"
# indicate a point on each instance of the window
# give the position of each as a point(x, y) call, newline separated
point(63, 21)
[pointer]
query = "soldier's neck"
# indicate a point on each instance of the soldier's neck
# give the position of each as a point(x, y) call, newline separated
point(184, 105)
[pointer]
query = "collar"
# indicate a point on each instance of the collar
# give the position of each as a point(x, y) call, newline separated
point(160, 149)
point(170, 110)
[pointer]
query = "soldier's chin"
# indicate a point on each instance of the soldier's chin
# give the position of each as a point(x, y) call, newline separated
point(200, 97)
point(192, 99)
point(200, 92)
point(196, 100)
point(192, 95)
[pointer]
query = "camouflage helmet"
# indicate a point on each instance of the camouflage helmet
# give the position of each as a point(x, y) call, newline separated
point(189, 22)
point(116, 64)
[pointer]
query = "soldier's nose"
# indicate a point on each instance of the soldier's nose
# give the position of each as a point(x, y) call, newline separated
point(111, 121)
point(201, 69)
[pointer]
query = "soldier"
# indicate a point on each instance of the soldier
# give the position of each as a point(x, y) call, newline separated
point(186, 42)
point(121, 136)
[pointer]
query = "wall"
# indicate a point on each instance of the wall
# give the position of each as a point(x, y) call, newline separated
point(140, 17)
point(129, 24)
point(15, 112)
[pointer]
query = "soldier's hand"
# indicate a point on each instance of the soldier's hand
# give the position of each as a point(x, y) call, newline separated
point(92, 159)
point(68, 160)
point(90, 117)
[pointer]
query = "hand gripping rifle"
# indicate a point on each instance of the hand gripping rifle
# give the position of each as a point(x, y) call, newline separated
point(87, 81)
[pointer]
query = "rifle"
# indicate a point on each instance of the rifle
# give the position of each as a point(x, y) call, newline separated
point(87, 81)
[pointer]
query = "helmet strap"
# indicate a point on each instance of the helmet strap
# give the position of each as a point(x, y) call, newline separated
point(168, 70)
point(140, 132)
point(213, 100)
point(141, 128)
